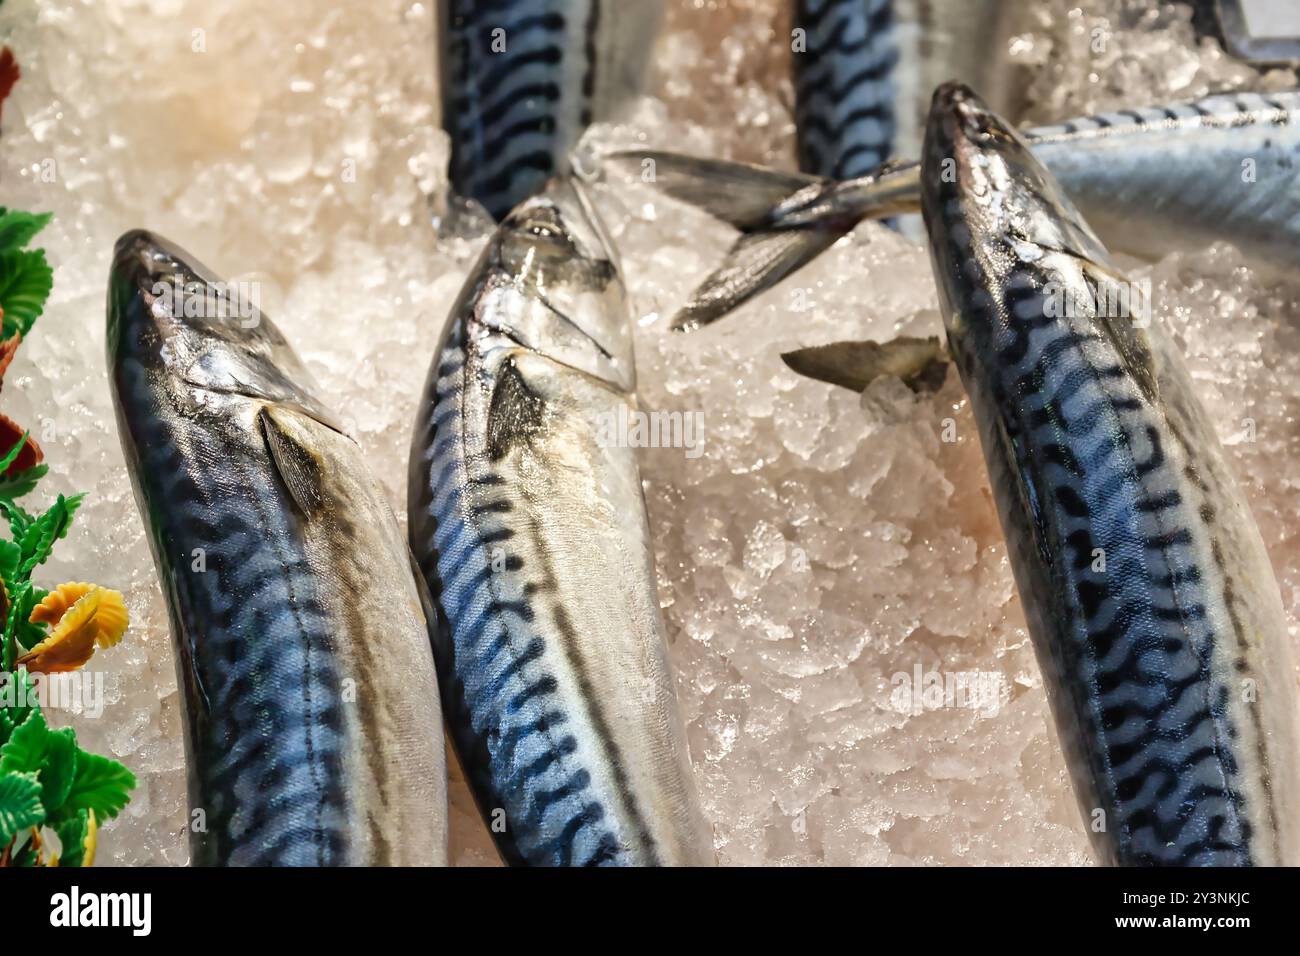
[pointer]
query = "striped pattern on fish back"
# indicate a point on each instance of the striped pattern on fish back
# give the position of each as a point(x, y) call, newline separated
point(503, 707)
point(1236, 178)
point(513, 114)
point(1229, 110)
point(253, 643)
point(1138, 650)
point(844, 92)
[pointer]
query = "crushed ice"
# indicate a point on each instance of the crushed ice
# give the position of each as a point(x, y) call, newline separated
point(827, 556)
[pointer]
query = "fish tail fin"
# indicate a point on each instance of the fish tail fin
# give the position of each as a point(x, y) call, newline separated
point(919, 362)
point(740, 194)
point(787, 219)
point(756, 262)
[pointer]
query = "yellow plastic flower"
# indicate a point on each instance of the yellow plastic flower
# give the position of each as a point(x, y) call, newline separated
point(83, 616)
point(58, 601)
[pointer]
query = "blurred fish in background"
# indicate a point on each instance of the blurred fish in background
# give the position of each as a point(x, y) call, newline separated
point(864, 70)
point(1262, 33)
point(844, 56)
point(522, 79)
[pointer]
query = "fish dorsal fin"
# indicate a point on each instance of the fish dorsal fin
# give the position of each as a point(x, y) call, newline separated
point(1127, 331)
point(299, 468)
point(855, 365)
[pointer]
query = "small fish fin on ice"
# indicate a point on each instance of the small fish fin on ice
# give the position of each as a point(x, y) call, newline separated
point(919, 362)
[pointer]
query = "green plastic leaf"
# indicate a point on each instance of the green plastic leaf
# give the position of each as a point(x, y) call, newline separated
point(99, 784)
point(25, 750)
point(23, 600)
point(20, 804)
point(72, 838)
point(22, 482)
point(59, 770)
point(38, 540)
point(17, 228)
point(11, 555)
point(25, 283)
point(20, 595)
point(26, 855)
point(18, 518)
point(12, 455)
point(29, 634)
point(50, 754)
point(17, 701)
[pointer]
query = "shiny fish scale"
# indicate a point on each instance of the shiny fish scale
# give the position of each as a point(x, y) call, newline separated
point(1142, 654)
point(844, 96)
point(1150, 182)
point(503, 707)
point(529, 523)
point(1184, 163)
point(1221, 110)
point(246, 590)
point(1133, 650)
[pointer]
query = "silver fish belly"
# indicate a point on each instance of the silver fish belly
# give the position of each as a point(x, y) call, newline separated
point(314, 733)
point(1147, 589)
point(522, 79)
point(531, 529)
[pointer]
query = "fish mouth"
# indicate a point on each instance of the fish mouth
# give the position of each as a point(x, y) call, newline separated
point(562, 222)
point(192, 296)
point(974, 157)
point(149, 282)
point(141, 257)
point(964, 131)
point(553, 250)
point(962, 115)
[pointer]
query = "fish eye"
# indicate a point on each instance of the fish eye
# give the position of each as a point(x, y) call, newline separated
point(542, 230)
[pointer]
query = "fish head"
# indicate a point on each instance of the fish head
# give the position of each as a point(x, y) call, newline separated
point(991, 208)
point(1010, 251)
point(196, 336)
point(554, 252)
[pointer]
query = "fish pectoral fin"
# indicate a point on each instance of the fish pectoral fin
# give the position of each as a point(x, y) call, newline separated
point(754, 264)
point(299, 468)
point(536, 396)
point(740, 194)
point(919, 362)
point(1124, 322)
point(517, 411)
